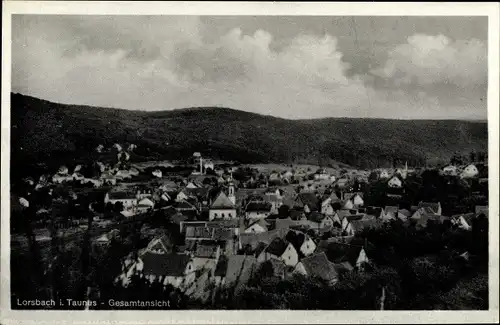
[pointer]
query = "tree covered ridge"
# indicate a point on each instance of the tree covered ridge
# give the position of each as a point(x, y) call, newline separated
point(49, 131)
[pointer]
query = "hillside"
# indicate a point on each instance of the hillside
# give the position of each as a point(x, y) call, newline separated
point(51, 132)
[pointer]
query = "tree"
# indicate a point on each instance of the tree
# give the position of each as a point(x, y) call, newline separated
point(118, 207)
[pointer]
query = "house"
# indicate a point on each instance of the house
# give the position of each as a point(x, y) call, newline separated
point(252, 240)
point(469, 172)
point(350, 256)
point(258, 226)
point(463, 221)
point(234, 270)
point(303, 244)
point(328, 221)
point(257, 210)
point(145, 205)
point(423, 220)
point(157, 173)
point(129, 200)
point(384, 174)
point(199, 233)
point(159, 245)
point(395, 182)
point(421, 212)
point(280, 249)
point(450, 170)
point(175, 269)
point(435, 206)
point(222, 208)
point(102, 240)
point(307, 201)
point(321, 174)
point(390, 213)
point(318, 265)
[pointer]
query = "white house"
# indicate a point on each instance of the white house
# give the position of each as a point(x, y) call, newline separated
point(222, 208)
point(129, 200)
point(257, 210)
point(175, 269)
point(395, 182)
point(257, 227)
point(301, 242)
point(449, 170)
point(281, 250)
point(327, 221)
point(157, 173)
point(145, 205)
point(469, 171)
point(384, 174)
point(317, 265)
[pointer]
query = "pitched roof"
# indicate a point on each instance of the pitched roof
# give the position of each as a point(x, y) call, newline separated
point(222, 202)
point(340, 252)
point(277, 247)
point(165, 264)
point(391, 208)
point(308, 198)
point(405, 212)
point(278, 267)
point(433, 205)
point(318, 265)
point(296, 238)
point(360, 225)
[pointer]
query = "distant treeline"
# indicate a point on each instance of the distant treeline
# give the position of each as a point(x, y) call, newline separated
point(48, 133)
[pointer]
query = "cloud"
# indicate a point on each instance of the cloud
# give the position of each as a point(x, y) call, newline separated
point(149, 64)
point(429, 60)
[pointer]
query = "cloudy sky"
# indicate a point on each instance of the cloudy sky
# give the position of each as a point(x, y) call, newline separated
point(290, 67)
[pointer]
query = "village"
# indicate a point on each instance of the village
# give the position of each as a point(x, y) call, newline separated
point(227, 223)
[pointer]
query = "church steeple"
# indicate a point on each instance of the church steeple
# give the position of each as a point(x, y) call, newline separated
point(231, 196)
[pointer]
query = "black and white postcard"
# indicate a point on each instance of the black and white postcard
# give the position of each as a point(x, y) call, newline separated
point(193, 162)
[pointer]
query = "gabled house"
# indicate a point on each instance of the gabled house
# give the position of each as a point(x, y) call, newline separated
point(175, 269)
point(349, 256)
point(307, 201)
point(384, 174)
point(129, 200)
point(281, 250)
point(159, 245)
point(303, 244)
point(222, 208)
point(469, 172)
point(318, 265)
point(145, 205)
point(435, 206)
point(328, 221)
point(463, 221)
point(257, 226)
point(390, 213)
point(395, 182)
point(257, 210)
point(450, 170)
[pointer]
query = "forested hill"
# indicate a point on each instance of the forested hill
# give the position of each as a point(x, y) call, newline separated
point(46, 131)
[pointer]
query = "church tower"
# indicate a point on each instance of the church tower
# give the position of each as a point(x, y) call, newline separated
point(231, 196)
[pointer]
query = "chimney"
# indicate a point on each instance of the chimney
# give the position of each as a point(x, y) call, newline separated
point(201, 165)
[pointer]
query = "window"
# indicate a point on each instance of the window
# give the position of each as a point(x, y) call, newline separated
point(223, 215)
